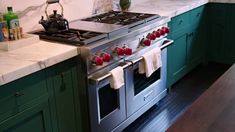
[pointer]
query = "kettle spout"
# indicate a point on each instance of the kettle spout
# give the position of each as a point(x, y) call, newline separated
point(43, 23)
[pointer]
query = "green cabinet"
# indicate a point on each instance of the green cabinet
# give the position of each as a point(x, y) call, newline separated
point(230, 46)
point(34, 119)
point(195, 47)
point(218, 29)
point(177, 57)
point(24, 105)
point(189, 44)
point(63, 80)
point(221, 47)
point(22, 94)
point(45, 101)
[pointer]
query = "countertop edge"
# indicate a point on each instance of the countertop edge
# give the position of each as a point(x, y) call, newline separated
point(33, 66)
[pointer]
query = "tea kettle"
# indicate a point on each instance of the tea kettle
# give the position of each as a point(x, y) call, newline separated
point(55, 23)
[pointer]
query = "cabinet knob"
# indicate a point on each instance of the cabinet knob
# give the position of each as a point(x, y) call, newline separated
point(181, 21)
point(17, 94)
point(198, 14)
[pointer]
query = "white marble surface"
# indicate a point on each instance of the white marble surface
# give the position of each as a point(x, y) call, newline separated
point(24, 61)
point(30, 11)
point(169, 8)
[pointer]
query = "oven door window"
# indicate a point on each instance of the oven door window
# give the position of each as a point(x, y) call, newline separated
point(108, 100)
point(141, 81)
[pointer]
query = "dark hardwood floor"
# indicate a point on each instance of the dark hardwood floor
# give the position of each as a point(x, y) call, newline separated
point(182, 94)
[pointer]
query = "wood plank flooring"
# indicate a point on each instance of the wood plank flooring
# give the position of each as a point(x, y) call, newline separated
point(183, 93)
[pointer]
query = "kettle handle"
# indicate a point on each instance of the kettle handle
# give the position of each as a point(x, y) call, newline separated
point(62, 10)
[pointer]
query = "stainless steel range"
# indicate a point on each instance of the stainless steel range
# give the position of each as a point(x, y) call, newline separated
point(116, 39)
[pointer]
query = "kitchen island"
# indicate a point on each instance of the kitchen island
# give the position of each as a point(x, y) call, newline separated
point(213, 110)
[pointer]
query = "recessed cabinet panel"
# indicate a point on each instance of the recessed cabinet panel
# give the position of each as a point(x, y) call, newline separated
point(22, 94)
point(35, 119)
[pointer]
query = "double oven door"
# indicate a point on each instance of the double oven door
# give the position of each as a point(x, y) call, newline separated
point(107, 105)
point(111, 107)
point(139, 89)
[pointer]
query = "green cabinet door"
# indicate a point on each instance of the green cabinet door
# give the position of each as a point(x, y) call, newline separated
point(21, 94)
point(230, 44)
point(177, 58)
point(218, 22)
point(34, 119)
point(195, 48)
point(65, 104)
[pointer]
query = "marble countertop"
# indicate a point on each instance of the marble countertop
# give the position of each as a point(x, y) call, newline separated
point(24, 61)
point(170, 8)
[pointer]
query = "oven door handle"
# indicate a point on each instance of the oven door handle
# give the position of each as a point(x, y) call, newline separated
point(99, 79)
point(166, 43)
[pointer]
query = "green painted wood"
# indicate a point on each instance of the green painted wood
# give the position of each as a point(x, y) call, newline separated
point(63, 79)
point(197, 16)
point(221, 47)
point(195, 48)
point(63, 85)
point(177, 58)
point(196, 37)
point(189, 48)
point(34, 119)
point(29, 89)
point(229, 52)
point(218, 31)
point(179, 22)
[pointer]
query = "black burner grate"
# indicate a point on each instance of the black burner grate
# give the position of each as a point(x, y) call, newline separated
point(73, 36)
point(122, 18)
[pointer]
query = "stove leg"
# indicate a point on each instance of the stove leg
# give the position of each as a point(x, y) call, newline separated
point(169, 90)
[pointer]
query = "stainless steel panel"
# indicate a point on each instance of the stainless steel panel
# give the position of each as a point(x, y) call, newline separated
point(114, 118)
point(131, 40)
point(111, 30)
point(166, 43)
point(135, 102)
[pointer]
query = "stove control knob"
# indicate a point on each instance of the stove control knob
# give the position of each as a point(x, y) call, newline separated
point(167, 29)
point(146, 42)
point(120, 51)
point(106, 57)
point(151, 36)
point(157, 34)
point(162, 31)
point(128, 51)
point(98, 61)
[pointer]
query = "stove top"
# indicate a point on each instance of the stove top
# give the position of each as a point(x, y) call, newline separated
point(73, 36)
point(100, 27)
point(130, 19)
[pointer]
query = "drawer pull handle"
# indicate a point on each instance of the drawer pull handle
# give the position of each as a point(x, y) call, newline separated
point(198, 14)
point(17, 94)
point(148, 95)
point(180, 22)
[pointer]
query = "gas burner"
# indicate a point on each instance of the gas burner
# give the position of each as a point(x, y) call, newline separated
point(123, 18)
point(73, 36)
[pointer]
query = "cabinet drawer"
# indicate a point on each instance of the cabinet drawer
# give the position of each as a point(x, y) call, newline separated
point(197, 14)
point(180, 22)
point(21, 94)
point(8, 102)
